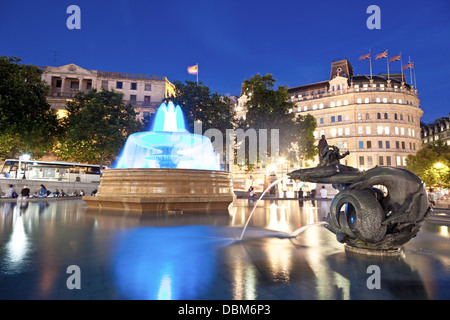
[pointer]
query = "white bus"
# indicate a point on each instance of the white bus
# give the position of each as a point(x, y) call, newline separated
point(49, 170)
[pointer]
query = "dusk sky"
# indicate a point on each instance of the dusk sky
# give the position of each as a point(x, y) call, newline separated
point(232, 40)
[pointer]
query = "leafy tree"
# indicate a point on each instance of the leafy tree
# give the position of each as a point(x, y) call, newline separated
point(269, 108)
point(198, 103)
point(431, 164)
point(27, 122)
point(97, 126)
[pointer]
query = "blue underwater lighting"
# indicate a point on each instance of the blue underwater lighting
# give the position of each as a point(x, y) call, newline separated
point(168, 145)
point(166, 263)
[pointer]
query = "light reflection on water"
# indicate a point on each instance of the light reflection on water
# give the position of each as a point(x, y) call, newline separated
point(196, 257)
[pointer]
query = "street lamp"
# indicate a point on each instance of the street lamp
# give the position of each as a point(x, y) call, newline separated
point(439, 166)
point(24, 157)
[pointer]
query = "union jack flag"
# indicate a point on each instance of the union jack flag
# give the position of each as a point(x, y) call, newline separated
point(381, 55)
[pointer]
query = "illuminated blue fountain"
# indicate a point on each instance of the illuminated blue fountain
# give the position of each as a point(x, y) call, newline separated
point(168, 145)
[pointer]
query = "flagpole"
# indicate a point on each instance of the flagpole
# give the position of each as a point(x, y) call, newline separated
point(401, 65)
point(410, 71)
point(387, 62)
point(197, 73)
point(370, 63)
point(415, 83)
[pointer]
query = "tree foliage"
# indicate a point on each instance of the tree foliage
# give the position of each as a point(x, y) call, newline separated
point(27, 123)
point(199, 103)
point(431, 164)
point(270, 108)
point(97, 126)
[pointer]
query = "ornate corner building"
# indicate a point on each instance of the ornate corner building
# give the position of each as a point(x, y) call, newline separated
point(376, 118)
point(438, 130)
point(144, 92)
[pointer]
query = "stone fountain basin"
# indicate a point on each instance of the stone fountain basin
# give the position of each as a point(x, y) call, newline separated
point(162, 190)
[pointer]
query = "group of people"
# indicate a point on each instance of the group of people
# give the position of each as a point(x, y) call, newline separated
point(43, 192)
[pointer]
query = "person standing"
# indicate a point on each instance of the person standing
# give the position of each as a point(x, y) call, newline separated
point(432, 198)
point(323, 193)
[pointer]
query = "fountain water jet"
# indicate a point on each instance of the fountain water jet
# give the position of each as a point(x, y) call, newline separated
point(165, 169)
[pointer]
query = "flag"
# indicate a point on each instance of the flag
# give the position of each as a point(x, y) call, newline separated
point(193, 69)
point(364, 57)
point(395, 58)
point(409, 65)
point(381, 55)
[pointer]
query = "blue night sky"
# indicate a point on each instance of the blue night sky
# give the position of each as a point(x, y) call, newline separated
point(233, 40)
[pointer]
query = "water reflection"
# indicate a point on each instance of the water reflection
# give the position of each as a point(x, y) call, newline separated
point(196, 256)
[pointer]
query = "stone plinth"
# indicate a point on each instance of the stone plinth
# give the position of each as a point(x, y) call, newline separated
point(159, 190)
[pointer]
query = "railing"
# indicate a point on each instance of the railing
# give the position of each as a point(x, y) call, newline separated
point(352, 90)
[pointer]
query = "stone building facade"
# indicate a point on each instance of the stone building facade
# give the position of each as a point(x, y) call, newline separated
point(375, 118)
point(438, 130)
point(145, 92)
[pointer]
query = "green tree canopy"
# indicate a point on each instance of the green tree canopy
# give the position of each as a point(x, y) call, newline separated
point(97, 126)
point(199, 103)
point(27, 122)
point(431, 164)
point(270, 108)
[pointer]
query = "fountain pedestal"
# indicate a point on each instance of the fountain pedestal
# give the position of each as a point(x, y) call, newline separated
point(162, 190)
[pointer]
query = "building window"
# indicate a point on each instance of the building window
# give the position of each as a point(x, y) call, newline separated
point(119, 85)
point(359, 116)
point(339, 119)
point(305, 108)
point(369, 144)
point(105, 84)
point(366, 100)
point(396, 130)
point(403, 145)
point(401, 117)
point(88, 85)
point(380, 144)
point(333, 132)
point(388, 160)
point(147, 100)
point(333, 119)
point(133, 86)
point(402, 131)
point(132, 97)
point(360, 130)
point(367, 116)
point(315, 107)
point(397, 144)
point(380, 130)
point(358, 100)
point(347, 131)
point(148, 87)
point(388, 144)
point(321, 106)
point(332, 104)
point(369, 160)
point(361, 144)
point(378, 100)
point(398, 161)
point(345, 102)
point(395, 116)
point(58, 83)
point(380, 161)
point(368, 130)
point(379, 116)
point(361, 161)
point(386, 130)
point(385, 116)
point(340, 131)
point(346, 117)
point(321, 121)
point(338, 103)
point(384, 100)
point(74, 84)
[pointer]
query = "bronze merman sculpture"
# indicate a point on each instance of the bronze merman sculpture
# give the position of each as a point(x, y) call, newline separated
point(361, 215)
